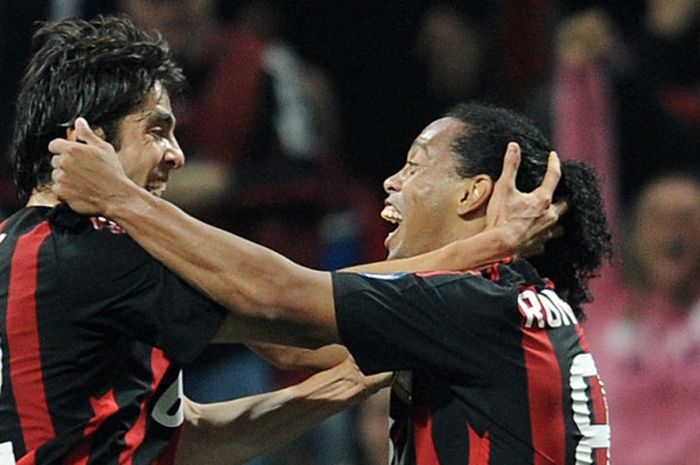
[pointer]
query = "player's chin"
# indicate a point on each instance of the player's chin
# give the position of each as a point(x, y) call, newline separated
point(392, 247)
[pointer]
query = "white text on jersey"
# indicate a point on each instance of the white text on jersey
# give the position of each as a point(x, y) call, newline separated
point(545, 308)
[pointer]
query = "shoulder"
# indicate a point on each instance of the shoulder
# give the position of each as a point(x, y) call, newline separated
point(94, 243)
point(431, 288)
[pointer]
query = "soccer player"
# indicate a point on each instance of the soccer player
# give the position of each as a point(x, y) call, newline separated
point(92, 328)
point(494, 367)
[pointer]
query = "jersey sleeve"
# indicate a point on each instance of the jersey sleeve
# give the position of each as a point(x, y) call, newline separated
point(121, 290)
point(406, 321)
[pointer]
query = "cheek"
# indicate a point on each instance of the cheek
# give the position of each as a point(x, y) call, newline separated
point(127, 162)
point(138, 163)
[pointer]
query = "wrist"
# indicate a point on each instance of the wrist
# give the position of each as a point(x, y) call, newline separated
point(498, 242)
point(505, 241)
point(121, 202)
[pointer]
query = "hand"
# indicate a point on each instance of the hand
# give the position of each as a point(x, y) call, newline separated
point(527, 219)
point(346, 382)
point(86, 171)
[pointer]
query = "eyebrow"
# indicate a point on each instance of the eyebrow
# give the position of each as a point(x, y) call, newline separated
point(421, 145)
point(160, 117)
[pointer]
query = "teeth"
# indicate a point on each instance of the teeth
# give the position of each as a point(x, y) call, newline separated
point(391, 215)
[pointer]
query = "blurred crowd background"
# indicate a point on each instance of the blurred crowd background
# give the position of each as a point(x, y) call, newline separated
point(297, 110)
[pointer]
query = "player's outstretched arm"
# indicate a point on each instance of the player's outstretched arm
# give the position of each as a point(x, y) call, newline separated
point(236, 431)
point(286, 357)
point(270, 297)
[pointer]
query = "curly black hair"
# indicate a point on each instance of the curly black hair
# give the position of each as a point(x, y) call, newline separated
point(102, 69)
point(572, 259)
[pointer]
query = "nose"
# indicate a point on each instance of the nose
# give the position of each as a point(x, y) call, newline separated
point(392, 183)
point(174, 156)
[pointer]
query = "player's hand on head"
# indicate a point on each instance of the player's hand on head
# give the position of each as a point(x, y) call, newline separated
point(527, 218)
point(535, 245)
point(85, 166)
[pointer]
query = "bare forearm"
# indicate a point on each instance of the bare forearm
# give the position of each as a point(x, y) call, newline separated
point(299, 358)
point(474, 252)
point(250, 280)
point(236, 431)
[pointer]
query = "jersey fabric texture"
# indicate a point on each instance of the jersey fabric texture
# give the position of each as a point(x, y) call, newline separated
point(496, 369)
point(92, 333)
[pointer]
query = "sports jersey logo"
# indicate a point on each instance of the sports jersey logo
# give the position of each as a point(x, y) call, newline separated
point(545, 308)
point(100, 223)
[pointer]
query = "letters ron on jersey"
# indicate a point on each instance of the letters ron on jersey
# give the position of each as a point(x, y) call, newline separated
point(544, 308)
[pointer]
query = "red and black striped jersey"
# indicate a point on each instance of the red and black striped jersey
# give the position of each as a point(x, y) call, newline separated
point(494, 368)
point(92, 331)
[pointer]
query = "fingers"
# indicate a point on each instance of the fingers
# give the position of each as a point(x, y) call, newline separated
point(56, 161)
point(551, 233)
point(63, 150)
point(85, 133)
point(511, 162)
point(552, 175)
point(57, 146)
point(380, 380)
point(560, 208)
point(553, 213)
point(537, 245)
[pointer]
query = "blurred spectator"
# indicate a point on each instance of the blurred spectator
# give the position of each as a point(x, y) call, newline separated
point(450, 60)
point(628, 96)
point(259, 126)
point(646, 333)
point(583, 124)
point(245, 123)
point(658, 90)
point(453, 46)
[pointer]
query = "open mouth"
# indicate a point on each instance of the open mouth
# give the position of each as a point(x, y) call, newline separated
point(392, 215)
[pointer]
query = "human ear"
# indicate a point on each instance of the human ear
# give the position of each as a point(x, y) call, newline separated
point(476, 194)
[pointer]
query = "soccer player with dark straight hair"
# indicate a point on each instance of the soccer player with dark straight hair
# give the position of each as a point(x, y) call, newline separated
point(92, 328)
point(493, 365)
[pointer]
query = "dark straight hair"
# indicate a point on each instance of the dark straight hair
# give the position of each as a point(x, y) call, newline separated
point(101, 69)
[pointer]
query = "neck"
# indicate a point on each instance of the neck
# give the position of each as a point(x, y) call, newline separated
point(467, 228)
point(42, 197)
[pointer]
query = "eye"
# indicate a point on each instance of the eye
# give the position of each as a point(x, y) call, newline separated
point(411, 168)
point(158, 132)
